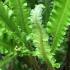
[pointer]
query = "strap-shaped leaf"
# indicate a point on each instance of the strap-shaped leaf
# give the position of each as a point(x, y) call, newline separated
point(59, 21)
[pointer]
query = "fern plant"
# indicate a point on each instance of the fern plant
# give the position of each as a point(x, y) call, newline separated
point(23, 27)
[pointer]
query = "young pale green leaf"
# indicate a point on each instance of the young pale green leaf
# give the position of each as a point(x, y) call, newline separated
point(40, 39)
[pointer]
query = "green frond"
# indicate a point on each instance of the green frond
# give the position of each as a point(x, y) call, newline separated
point(59, 20)
point(5, 17)
point(21, 13)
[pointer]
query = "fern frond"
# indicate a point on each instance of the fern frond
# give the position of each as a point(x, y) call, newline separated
point(59, 20)
point(8, 19)
point(5, 17)
point(21, 13)
point(39, 37)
